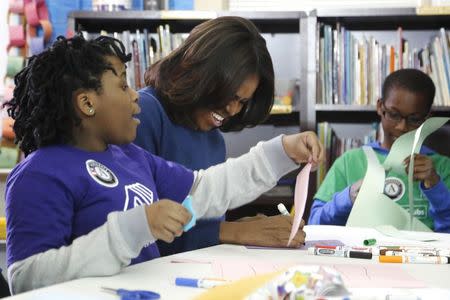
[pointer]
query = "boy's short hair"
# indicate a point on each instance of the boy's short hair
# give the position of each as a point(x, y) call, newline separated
point(412, 80)
point(42, 104)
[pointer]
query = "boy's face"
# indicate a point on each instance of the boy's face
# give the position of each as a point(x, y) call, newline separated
point(116, 107)
point(401, 112)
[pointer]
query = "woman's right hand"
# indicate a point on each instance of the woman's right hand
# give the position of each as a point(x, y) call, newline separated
point(304, 147)
point(166, 219)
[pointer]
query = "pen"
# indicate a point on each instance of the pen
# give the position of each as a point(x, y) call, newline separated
point(282, 209)
point(339, 253)
point(415, 252)
point(436, 251)
point(199, 283)
point(414, 259)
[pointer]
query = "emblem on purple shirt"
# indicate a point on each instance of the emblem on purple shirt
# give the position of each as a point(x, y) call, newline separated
point(101, 174)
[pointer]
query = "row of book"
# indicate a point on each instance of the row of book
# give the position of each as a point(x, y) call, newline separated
point(335, 145)
point(351, 70)
point(146, 47)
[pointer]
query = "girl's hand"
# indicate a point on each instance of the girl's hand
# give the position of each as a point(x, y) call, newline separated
point(166, 219)
point(304, 147)
point(423, 170)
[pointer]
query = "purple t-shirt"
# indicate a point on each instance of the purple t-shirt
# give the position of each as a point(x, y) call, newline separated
point(60, 193)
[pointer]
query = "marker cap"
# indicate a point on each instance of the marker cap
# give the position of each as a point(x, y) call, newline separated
point(360, 254)
point(390, 259)
point(370, 242)
point(181, 281)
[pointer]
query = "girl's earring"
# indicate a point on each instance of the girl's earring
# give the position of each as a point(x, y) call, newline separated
point(91, 111)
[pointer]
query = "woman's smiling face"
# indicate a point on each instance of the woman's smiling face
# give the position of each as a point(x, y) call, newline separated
point(207, 119)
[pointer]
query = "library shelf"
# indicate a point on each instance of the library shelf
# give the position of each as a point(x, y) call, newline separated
point(180, 21)
point(361, 19)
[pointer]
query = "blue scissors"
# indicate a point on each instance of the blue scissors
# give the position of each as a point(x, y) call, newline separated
point(133, 294)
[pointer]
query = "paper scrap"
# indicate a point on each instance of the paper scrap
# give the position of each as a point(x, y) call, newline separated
point(389, 230)
point(300, 194)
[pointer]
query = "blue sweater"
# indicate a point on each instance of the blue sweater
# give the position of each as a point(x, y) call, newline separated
point(191, 148)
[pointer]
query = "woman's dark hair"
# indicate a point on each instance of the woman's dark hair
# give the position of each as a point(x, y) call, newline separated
point(412, 80)
point(207, 70)
point(42, 105)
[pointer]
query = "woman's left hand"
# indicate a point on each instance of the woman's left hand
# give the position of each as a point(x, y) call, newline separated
point(273, 231)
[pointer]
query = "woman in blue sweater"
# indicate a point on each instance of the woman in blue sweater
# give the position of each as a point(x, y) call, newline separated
point(220, 79)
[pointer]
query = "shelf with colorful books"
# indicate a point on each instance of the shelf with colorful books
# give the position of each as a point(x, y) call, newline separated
point(353, 50)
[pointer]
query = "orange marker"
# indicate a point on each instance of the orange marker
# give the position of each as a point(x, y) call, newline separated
point(414, 259)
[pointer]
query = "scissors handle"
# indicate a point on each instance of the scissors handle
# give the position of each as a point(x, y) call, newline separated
point(133, 294)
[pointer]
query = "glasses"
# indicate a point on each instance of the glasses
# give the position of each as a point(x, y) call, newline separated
point(411, 120)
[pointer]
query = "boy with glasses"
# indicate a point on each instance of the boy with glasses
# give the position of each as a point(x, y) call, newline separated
point(407, 97)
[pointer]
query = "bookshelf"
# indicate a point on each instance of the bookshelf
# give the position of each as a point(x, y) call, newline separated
point(371, 21)
point(282, 33)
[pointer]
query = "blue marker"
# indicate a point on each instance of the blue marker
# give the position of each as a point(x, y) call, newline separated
point(199, 283)
point(187, 203)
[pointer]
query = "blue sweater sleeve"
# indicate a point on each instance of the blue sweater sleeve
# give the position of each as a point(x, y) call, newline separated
point(334, 212)
point(439, 197)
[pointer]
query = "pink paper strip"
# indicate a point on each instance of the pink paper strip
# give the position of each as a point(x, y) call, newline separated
point(300, 194)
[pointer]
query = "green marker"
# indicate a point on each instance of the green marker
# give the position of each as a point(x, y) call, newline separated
point(370, 242)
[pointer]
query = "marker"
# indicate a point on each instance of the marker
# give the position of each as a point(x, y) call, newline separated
point(339, 253)
point(414, 259)
point(415, 252)
point(199, 283)
point(437, 251)
point(282, 209)
point(348, 248)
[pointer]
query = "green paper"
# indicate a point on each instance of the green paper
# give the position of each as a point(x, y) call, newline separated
point(402, 147)
point(373, 208)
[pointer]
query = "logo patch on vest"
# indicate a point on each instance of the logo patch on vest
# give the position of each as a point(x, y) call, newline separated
point(101, 174)
point(136, 195)
point(394, 188)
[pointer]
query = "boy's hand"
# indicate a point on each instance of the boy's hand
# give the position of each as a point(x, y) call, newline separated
point(304, 147)
point(354, 190)
point(423, 170)
point(270, 231)
point(166, 219)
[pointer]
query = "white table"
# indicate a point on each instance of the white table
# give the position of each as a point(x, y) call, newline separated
point(159, 274)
